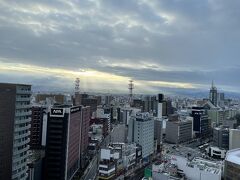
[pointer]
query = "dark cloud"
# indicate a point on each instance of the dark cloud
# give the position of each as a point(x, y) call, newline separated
point(194, 41)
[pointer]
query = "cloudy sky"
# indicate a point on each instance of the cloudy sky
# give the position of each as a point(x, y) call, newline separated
point(157, 43)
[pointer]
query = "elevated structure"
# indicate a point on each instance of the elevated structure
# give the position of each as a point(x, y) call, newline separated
point(130, 87)
point(78, 96)
point(213, 95)
point(77, 85)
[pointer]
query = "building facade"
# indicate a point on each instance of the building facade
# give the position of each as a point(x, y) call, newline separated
point(63, 145)
point(37, 127)
point(201, 122)
point(232, 165)
point(15, 118)
point(221, 137)
point(85, 123)
point(234, 136)
point(213, 95)
point(178, 131)
point(141, 131)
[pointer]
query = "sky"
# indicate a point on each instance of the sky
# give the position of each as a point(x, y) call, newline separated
point(160, 44)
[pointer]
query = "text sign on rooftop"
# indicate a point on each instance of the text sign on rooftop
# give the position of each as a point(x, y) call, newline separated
point(57, 112)
point(75, 109)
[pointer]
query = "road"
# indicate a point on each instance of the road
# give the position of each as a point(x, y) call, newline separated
point(91, 171)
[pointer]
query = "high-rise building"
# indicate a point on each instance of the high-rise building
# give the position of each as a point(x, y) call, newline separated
point(64, 141)
point(213, 95)
point(221, 99)
point(85, 122)
point(150, 104)
point(160, 106)
point(141, 131)
point(90, 101)
point(15, 118)
point(37, 127)
point(179, 131)
point(216, 115)
point(232, 165)
point(234, 136)
point(108, 99)
point(201, 122)
point(221, 137)
point(158, 132)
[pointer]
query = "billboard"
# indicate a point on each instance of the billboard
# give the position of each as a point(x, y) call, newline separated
point(57, 112)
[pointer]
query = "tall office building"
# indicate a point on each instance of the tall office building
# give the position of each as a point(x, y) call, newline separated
point(213, 95)
point(90, 101)
point(85, 123)
point(160, 106)
point(221, 99)
point(141, 131)
point(221, 137)
point(36, 127)
point(158, 132)
point(234, 136)
point(150, 104)
point(201, 122)
point(15, 118)
point(179, 131)
point(64, 142)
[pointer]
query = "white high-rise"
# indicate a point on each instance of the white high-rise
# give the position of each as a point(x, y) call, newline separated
point(141, 131)
point(15, 117)
point(234, 136)
point(21, 132)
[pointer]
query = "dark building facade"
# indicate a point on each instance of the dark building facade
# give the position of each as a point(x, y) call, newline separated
point(201, 122)
point(36, 127)
point(138, 103)
point(92, 102)
point(63, 143)
point(85, 124)
point(150, 104)
point(213, 95)
point(221, 137)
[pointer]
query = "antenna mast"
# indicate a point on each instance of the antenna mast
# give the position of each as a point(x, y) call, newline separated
point(130, 87)
point(77, 86)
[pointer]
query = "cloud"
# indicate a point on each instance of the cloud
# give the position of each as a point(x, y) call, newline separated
point(169, 42)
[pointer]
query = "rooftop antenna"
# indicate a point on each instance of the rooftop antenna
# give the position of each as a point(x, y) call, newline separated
point(130, 87)
point(77, 86)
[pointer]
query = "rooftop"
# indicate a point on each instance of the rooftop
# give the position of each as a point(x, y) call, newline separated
point(206, 165)
point(233, 156)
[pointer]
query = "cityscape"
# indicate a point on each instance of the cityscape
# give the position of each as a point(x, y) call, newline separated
point(119, 90)
point(86, 136)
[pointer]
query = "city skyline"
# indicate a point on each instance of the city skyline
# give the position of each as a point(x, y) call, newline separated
point(158, 44)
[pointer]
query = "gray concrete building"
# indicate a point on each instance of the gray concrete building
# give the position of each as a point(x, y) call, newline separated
point(158, 132)
point(15, 118)
point(234, 136)
point(178, 131)
point(221, 137)
point(119, 133)
point(141, 131)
